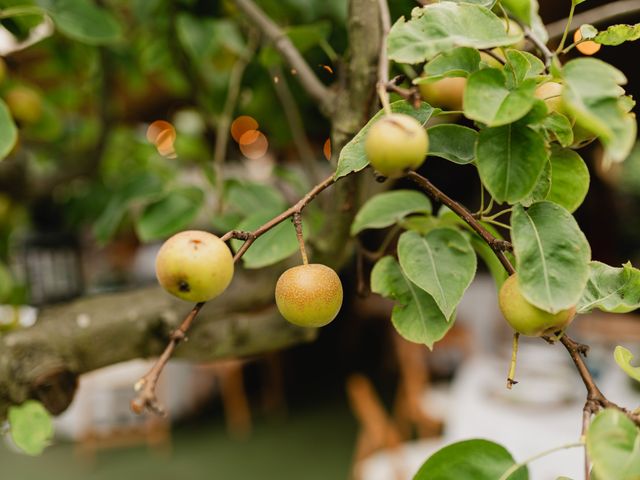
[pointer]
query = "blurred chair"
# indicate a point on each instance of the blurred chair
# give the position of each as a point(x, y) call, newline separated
point(377, 429)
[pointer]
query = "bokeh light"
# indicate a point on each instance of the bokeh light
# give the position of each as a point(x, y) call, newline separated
point(241, 125)
point(253, 144)
point(157, 128)
point(588, 47)
point(326, 149)
point(163, 135)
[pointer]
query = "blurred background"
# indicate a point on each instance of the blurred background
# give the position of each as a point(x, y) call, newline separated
point(117, 150)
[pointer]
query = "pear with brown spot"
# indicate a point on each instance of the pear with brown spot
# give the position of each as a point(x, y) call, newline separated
point(309, 295)
point(194, 265)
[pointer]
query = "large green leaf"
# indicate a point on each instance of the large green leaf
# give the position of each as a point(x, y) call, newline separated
point(569, 179)
point(84, 21)
point(541, 189)
point(204, 37)
point(442, 263)
point(526, 11)
point(558, 127)
point(488, 99)
point(31, 427)
point(248, 198)
point(459, 62)
point(613, 443)
point(452, 142)
point(387, 208)
point(470, 460)
point(521, 66)
point(173, 212)
point(353, 157)
point(277, 244)
point(8, 131)
point(415, 316)
point(623, 358)
point(617, 34)
point(510, 160)
point(442, 26)
point(611, 289)
point(552, 255)
point(592, 94)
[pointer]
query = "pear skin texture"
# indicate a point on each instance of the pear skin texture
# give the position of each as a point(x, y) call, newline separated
point(24, 103)
point(445, 93)
point(195, 266)
point(395, 144)
point(526, 318)
point(309, 295)
point(551, 93)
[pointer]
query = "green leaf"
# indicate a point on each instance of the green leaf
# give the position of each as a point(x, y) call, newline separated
point(139, 188)
point(203, 37)
point(569, 179)
point(521, 66)
point(277, 244)
point(613, 444)
point(415, 316)
point(248, 198)
point(303, 37)
point(8, 131)
point(353, 157)
point(484, 3)
point(552, 255)
point(84, 21)
point(560, 127)
point(31, 427)
point(510, 160)
point(459, 62)
point(173, 212)
point(588, 32)
point(526, 11)
point(387, 208)
point(541, 189)
point(442, 263)
point(439, 27)
point(623, 358)
point(611, 289)
point(470, 460)
point(452, 142)
point(617, 34)
point(592, 95)
point(488, 99)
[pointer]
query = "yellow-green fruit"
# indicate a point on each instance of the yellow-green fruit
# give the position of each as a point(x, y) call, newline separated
point(395, 144)
point(513, 29)
point(195, 266)
point(3, 70)
point(490, 60)
point(551, 93)
point(446, 93)
point(526, 318)
point(24, 103)
point(309, 295)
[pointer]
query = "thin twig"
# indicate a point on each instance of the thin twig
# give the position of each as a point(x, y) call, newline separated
point(601, 15)
point(224, 120)
point(511, 381)
point(383, 60)
point(297, 223)
point(146, 386)
point(567, 27)
point(296, 125)
point(548, 54)
point(498, 246)
point(411, 95)
point(308, 79)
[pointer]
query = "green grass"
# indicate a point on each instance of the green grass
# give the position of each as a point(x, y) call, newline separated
point(311, 443)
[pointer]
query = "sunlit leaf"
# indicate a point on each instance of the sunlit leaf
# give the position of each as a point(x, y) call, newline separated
point(442, 26)
point(613, 444)
point(31, 427)
point(416, 315)
point(552, 255)
point(617, 34)
point(611, 289)
point(387, 208)
point(623, 358)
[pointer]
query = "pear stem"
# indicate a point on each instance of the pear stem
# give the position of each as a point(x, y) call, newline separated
point(511, 381)
point(297, 223)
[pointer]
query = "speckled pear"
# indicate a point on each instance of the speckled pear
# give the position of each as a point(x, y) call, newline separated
point(309, 295)
point(194, 265)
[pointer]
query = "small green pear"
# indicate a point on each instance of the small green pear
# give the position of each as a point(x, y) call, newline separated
point(195, 266)
point(551, 93)
point(528, 319)
point(395, 144)
point(309, 295)
point(446, 93)
point(24, 103)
